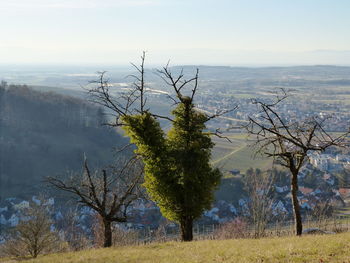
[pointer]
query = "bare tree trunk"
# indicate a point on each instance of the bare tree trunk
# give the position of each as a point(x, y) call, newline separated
point(186, 229)
point(296, 206)
point(35, 253)
point(108, 233)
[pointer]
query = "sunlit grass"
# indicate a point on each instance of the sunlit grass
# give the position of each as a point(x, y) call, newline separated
point(320, 248)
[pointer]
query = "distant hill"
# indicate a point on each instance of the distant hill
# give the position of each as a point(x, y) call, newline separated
point(46, 134)
point(318, 73)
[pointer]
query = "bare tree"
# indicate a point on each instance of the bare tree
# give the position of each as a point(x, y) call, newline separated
point(134, 100)
point(33, 235)
point(259, 186)
point(120, 103)
point(289, 141)
point(109, 193)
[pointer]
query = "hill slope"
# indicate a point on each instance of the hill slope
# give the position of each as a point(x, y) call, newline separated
point(45, 134)
point(330, 248)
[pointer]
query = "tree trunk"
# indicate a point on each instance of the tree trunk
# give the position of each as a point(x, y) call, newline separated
point(296, 206)
point(186, 229)
point(108, 233)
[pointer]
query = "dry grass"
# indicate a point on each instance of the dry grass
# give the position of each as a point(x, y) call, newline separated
point(318, 248)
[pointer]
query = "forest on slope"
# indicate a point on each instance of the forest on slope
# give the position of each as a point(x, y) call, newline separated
point(46, 134)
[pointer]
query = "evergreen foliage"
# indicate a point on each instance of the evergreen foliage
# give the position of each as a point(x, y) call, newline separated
point(178, 175)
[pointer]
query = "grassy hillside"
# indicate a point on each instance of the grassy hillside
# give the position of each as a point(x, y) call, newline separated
point(330, 248)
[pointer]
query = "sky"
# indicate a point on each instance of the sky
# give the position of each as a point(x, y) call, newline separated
point(213, 32)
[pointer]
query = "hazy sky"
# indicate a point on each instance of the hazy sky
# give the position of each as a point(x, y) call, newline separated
point(234, 32)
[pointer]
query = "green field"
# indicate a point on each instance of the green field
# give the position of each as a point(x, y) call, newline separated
point(317, 248)
point(237, 154)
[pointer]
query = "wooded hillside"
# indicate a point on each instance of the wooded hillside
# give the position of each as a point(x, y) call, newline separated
point(46, 134)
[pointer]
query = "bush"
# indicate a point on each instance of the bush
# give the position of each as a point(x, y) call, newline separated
point(233, 229)
point(123, 237)
point(33, 235)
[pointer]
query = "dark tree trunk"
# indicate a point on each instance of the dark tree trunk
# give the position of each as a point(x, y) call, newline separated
point(186, 229)
point(296, 206)
point(108, 233)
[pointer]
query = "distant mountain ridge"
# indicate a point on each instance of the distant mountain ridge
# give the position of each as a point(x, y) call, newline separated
point(319, 72)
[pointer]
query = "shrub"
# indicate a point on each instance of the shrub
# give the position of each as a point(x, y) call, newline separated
point(233, 229)
point(33, 235)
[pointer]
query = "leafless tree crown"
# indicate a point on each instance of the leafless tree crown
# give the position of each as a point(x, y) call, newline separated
point(109, 193)
point(285, 138)
point(134, 100)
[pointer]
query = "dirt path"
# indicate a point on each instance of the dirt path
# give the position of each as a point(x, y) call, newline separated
point(229, 154)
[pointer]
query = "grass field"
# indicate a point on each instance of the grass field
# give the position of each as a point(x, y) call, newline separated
point(236, 154)
point(318, 248)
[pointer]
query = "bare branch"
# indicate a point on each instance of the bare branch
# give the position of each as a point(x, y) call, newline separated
point(218, 134)
point(289, 142)
point(108, 194)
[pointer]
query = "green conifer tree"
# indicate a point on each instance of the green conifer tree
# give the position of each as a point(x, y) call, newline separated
point(178, 174)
